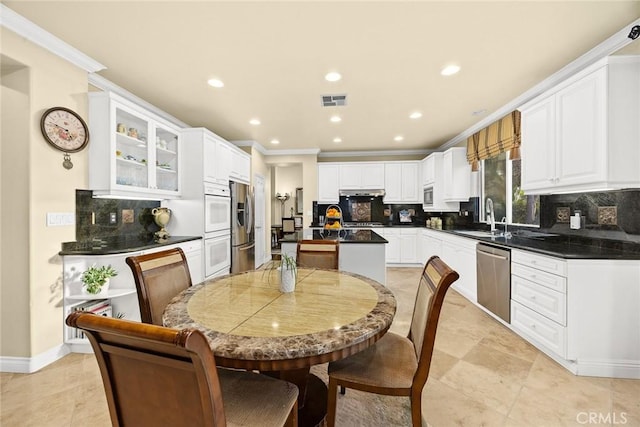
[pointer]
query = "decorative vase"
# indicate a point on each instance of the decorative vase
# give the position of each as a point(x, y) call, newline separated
point(104, 289)
point(287, 280)
point(162, 216)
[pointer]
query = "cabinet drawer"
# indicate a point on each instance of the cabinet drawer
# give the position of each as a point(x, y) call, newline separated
point(542, 300)
point(551, 281)
point(549, 264)
point(538, 329)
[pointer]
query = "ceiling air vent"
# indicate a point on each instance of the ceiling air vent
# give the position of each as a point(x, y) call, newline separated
point(334, 100)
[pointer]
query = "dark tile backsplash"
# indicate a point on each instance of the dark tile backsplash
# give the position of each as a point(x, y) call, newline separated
point(94, 218)
point(607, 215)
point(612, 215)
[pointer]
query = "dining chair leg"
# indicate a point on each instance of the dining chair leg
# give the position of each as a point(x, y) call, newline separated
point(342, 390)
point(331, 402)
point(292, 419)
point(416, 411)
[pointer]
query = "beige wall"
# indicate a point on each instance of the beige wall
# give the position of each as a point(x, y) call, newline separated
point(46, 187)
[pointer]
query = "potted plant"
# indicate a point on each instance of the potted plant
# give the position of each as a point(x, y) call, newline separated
point(288, 273)
point(95, 280)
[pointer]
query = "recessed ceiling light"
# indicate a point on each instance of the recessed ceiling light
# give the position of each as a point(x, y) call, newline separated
point(450, 70)
point(415, 115)
point(332, 76)
point(337, 140)
point(254, 122)
point(215, 83)
point(275, 142)
point(335, 119)
point(398, 138)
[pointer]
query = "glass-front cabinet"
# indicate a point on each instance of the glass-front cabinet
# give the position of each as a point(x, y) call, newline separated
point(132, 152)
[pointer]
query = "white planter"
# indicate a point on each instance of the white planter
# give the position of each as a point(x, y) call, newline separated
point(287, 280)
point(104, 290)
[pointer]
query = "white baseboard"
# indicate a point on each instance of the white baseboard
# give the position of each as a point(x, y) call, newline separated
point(609, 368)
point(27, 365)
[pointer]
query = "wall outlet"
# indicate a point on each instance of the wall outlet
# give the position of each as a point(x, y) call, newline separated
point(112, 218)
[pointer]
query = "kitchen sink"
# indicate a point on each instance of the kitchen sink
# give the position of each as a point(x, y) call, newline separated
point(476, 233)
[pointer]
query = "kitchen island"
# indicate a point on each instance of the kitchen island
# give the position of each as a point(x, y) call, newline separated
point(361, 251)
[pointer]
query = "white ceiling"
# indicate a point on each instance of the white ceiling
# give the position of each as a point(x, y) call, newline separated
point(272, 57)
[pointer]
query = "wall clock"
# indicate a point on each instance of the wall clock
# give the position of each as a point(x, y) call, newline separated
point(64, 130)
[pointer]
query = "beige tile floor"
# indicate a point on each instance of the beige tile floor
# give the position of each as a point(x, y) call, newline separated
point(482, 375)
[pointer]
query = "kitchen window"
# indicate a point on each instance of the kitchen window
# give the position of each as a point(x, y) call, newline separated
point(500, 180)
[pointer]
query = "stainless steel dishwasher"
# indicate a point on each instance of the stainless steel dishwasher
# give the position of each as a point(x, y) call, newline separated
point(494, 280)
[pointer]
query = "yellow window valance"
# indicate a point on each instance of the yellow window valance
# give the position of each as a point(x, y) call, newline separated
point(499, 137)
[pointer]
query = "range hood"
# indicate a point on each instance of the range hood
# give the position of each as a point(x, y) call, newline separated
point(363, 193)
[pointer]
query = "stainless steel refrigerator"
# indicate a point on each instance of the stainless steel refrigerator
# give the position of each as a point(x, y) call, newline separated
point(243, 245)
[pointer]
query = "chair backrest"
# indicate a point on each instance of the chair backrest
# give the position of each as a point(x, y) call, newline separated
point(288, 225)
point(318, 254)
point(436, 279)
point(159, 277)
point(154, 375)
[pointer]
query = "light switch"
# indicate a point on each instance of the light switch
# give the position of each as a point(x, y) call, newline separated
point(56, 219)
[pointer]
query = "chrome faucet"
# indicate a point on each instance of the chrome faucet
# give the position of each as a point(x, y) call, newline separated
point(491, 218)
point(505, 234)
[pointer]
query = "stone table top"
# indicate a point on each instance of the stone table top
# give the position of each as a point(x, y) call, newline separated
point(250, 324)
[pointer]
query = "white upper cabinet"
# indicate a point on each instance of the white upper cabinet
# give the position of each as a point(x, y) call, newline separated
point(428, 170)
point(133, 152)
point(583, 135)
point(401, 182)
point(457, 175)
point(217, 161)
point(328, 184)
point(240, 166)
point(358, 176)
point(207, 159)
point(437, 186)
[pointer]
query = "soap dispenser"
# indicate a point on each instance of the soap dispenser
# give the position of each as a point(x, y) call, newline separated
point(575, 221)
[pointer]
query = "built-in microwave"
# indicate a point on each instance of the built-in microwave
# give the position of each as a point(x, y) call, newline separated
point(427, 196)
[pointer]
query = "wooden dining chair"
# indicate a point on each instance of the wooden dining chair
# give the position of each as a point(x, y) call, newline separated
point(156, 376)
point(318, 254)
point(159, 277)
point(397, 365)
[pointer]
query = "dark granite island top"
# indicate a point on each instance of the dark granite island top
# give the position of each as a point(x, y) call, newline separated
point(118, 245)
point(343, 235)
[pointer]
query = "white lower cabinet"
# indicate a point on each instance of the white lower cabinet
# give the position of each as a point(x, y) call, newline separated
point(538, 300)
point(583, 313)
point(403, 244)
point(121, 300)
point(459, 253)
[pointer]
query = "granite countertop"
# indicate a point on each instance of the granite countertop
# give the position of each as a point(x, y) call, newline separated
point(118, 245)
point(559, 245)
point(343, 235)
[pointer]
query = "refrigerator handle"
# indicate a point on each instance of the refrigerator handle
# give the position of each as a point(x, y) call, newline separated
point(249, 210)
point(246, 248)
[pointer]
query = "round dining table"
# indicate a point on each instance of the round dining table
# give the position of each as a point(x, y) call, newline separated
point(252, 325)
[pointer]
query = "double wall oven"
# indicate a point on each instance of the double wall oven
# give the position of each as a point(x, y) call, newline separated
point(217, 242)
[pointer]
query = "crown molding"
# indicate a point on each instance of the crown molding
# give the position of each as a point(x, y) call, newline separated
point(108, 86)
point(607, 47)
point(30, 31)
point(264, 151)
point(389, 153)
